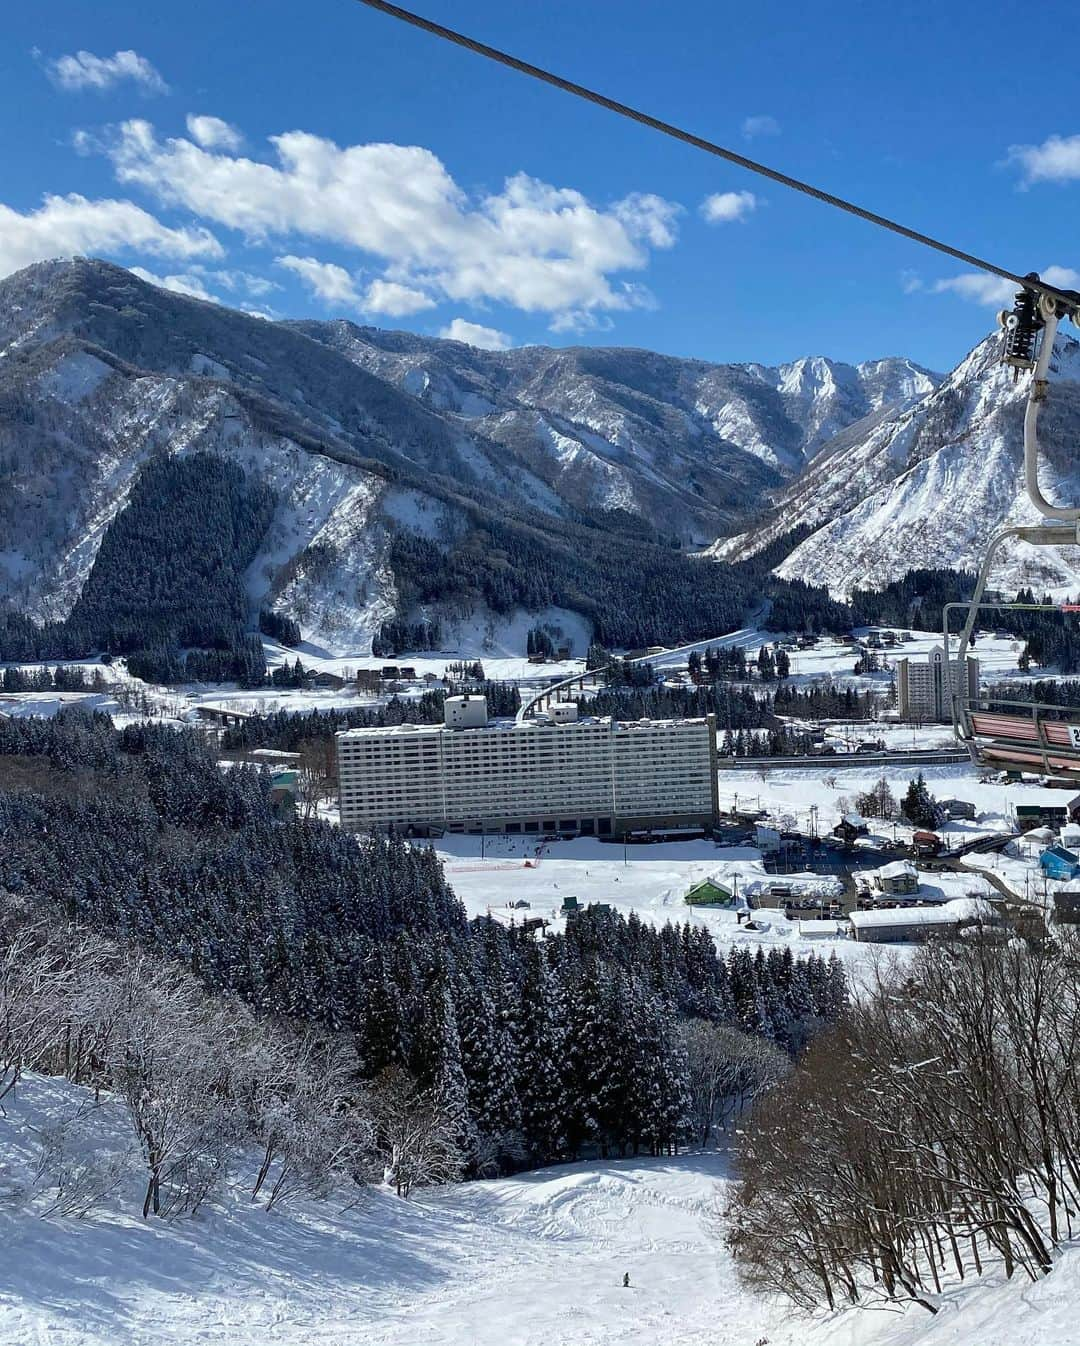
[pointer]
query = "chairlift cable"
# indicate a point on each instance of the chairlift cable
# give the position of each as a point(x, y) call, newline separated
point(1014, 741)
point(1069, 299)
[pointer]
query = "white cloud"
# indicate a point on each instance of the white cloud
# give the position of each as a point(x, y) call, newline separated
point(387, 296)
point(246, 281)
point(326, 280)
point(724, 207)
point(473, 334)
point(579, 321)
point(84, 70)
point(994, 292)
point(978, 287)
point(531, 245)
point(1057, 159)
point(66, 225)
point(188, 283)
point(334, 285)
point(760, 126)
point(214, 134)
point(650, 217)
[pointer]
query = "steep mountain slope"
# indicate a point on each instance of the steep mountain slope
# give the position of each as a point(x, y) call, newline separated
point(76, 427)
point(412, 478)
point(630, 429)
point(929, 485)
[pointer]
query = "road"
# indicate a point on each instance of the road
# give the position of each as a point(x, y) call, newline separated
point(747, 635)
point(848, 761)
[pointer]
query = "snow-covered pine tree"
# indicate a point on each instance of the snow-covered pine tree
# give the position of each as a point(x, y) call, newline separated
point(487, 1065)
point(542, 1058)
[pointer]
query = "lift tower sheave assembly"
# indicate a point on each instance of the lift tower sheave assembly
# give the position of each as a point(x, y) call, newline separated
point(1022, 734)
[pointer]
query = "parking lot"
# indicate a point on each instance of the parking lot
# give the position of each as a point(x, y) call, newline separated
point(821, 858)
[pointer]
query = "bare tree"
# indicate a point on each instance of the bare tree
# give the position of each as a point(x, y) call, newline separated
point(937, 1128)
point(728, 1070)
point(302, 1111)
point(416, 1138)
point(169, 1067)
point(195, 1075)
point(32, 978)
point(317, 773)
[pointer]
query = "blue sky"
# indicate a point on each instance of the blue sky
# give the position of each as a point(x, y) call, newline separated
point(321, 159)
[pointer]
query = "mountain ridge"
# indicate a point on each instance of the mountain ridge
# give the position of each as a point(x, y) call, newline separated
point(927, 486)
point(99, 371)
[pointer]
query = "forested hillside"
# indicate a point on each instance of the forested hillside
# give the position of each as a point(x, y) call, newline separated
point(380, 511)
point(524, 1050)
point(167, 577)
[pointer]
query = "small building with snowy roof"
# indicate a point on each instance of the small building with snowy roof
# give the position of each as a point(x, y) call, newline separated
point(1058, 862)
point(896, 878)
point(709, 893)
point(915, 925)
point(821, 929)
point(850, 826)
point(1067, 904)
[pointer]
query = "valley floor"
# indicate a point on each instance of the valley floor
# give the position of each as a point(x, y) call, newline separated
point(535, 1260)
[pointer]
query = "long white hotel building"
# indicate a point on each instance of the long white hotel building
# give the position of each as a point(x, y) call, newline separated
point(554, 773)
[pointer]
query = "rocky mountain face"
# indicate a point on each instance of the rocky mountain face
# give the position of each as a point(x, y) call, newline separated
point(929, 485)
point(375, 443)
point(682, 442)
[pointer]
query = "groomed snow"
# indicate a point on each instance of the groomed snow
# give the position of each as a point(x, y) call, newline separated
point(534, 1260)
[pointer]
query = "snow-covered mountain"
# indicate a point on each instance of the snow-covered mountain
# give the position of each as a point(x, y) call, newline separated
point(928, 485)
point(366, 436)
point(369, 436)
point(624, 428)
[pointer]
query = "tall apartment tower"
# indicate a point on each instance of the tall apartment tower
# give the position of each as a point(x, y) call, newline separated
point(923, 689)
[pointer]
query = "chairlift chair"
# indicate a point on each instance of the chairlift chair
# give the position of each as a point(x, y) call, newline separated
point(1020, 735)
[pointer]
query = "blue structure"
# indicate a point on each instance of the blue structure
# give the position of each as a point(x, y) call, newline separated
point(1058, 863)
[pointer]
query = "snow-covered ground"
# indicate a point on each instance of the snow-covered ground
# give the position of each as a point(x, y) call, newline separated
point(496, 645)
point(23, 705)
point(484, 636)
point(534, 1260)
point(649, 880)
point(790, 791)
point(490, 874)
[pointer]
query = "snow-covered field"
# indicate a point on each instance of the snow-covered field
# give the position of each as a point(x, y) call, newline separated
point(534, 1260)
point(648, 880)
point(786, 790)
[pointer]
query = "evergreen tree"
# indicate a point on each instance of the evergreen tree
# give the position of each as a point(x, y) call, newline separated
point(487, 1061)
point(542, 1063)
point(438, 1060)
point(920, 807)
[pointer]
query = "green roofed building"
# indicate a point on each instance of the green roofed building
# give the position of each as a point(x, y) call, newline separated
point(709, 893)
